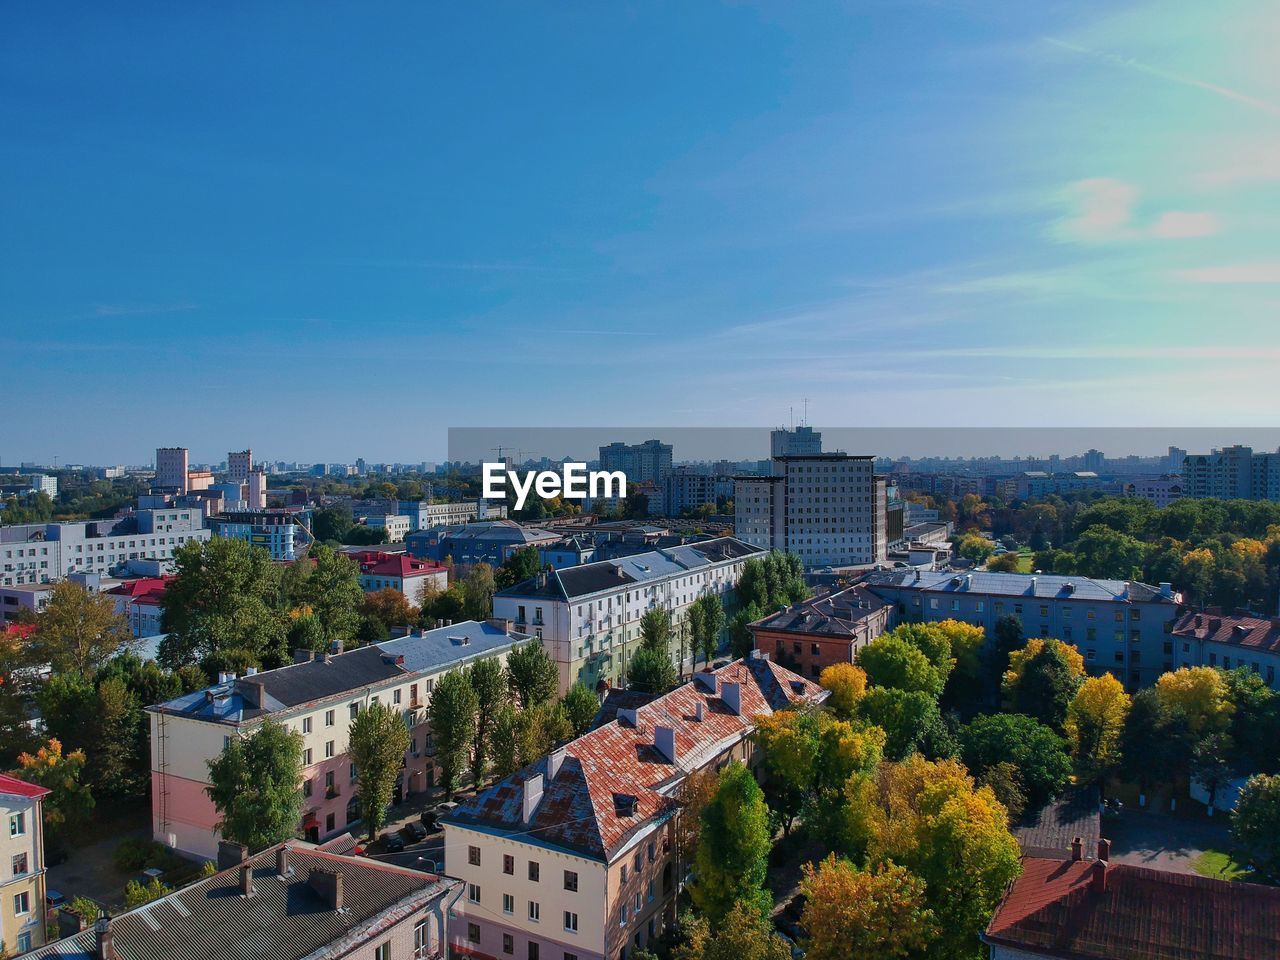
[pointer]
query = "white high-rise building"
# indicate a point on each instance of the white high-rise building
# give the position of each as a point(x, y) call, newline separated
point(801, 442)
point(172, 464)
point(828, 509)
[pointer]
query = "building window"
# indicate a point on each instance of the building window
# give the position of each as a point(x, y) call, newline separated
point(421, 941)
point(306, 757)
point(535, 911)
point(508, 864)
point(383, 952)
point(473, 856)
point(473, 932)
point(18, 824)
point(571, 881)
point(328, 718)
point(533, 870)
point(473, 892)
point(533, 950)
point(19, 864)
point(571, 921)
point(21, 903)
point(306, 724)
point(355, 710)
point(508, 903)
point(328, 749)
point(508, 943)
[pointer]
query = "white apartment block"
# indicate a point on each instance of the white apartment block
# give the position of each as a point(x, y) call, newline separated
point(588, 617)
point(50, 552)
point(396, 526)
point(828, 509)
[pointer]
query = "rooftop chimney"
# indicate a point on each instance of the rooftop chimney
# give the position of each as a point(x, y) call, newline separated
point(731, 694)
point(246, 879)
point(230, 854)
point(699, 711)
point(102, 936)
point(1104, 850)
point(664, 738)
point(1098, 878)
point(531, 794)
point(301, 655)
point(501, 623)
point(555, 760)
point(328, 886)
point(1166, 589)
point(1077, 849)
point(707, 680)
point(282, 862)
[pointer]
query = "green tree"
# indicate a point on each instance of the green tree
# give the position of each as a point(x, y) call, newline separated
point(378, 741)
point(518, 567)
point(1103, 552)
point(330, 524)
point(741, 640)
point(489, 681)
point(743, 935)
point(1155, 744)
point(910, 719)
point(655, 630)
point(1095, 724)
point(712, 622)
point(219, 606)
point(892, 662)
point(651, 672)
point(334, 594)
point(1255, 823)
point(17, 687)
point(139, 895)
point(532, 675)
point(70, 800)
point(581, 706)
point(478, 588)
point(1040, 755)
point(1004, 563)
point(1255, 722)
point(1006, 637)
point(1043, 678)
point(114, 768)
point(78, 631)
point(733, 848)
point(452, 714)
point(256, 786)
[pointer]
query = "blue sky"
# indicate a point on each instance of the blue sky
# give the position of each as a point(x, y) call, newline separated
point(330, 231)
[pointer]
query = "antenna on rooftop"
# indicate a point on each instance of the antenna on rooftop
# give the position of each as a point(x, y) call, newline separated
point(805, 421)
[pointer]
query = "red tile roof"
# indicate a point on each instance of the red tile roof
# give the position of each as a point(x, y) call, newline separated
point(143, 586)
point(1054, 910)
point(1255, 633)
point(581, 805)
point(20, 788)
point(374, 563)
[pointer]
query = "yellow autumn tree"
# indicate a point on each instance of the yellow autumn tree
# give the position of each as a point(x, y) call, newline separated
point(966, 646)
point(864, 913)
point(847, 684)
point(932, 819)
point(1201, 694)
point(1095, 723)
point(1019, 659)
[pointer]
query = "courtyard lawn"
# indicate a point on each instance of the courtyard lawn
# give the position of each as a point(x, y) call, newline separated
point(1219, 865)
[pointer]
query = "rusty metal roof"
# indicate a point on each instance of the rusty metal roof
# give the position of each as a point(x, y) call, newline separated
point(579, 808)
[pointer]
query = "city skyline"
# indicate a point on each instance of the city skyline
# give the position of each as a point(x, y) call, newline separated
point(921, 213)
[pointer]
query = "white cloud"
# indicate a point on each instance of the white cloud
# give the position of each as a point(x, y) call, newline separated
point(1181, 224)
point(1233, 273)
point(1102, 210)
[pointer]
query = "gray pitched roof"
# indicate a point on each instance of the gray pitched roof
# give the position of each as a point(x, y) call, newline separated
point(1046, 586)
point(284, 919)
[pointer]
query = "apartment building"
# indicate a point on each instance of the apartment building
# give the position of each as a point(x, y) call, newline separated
point(413, 578)
point(22, 879)
point(574, 857)
point(279, 532)
point(1161, 491)
point(292, 901)
point(828, 509)
point(686, 489)
point(802, 441)
point(490, 542)
point(49, 552)
point(1212, 638)
point(318, 697)
point(827, 629)
point(643, 463)
point(141, 602)
point(172, 465)
point(1121, 627)
point(588, 617)
point(1232, 473)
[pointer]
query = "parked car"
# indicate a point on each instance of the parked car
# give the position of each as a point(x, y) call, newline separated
point(151, 873)
point(393, 843)
point(413, 832)
point(431, 816)
point(54, 899)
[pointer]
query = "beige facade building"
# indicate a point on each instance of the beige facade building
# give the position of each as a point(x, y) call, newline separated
point(22, 881)
point(574, 857)
point(318, 697)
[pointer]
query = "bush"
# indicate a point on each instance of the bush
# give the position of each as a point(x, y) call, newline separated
point(138, 853)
